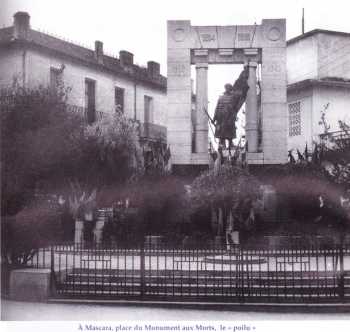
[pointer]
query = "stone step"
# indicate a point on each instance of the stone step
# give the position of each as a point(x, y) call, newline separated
point(182, 283)
point(272, 274)
point(193, 289)
point(201, 280)
point(243, 297)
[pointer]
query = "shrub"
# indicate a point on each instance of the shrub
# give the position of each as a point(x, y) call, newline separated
point(300, 187)
point(160, 201)
point(33, 227)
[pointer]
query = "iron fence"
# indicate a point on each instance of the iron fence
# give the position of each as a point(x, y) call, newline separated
point(230, 274)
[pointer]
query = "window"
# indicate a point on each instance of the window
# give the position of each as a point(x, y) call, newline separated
point(119, 99)
point(148, 109)
point(55, 79)
point(90, 96)
point(294, 119)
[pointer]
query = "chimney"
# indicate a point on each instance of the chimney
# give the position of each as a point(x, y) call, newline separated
point(153, 68)
point(126, 58)
point(99, 51)
point(21, 25)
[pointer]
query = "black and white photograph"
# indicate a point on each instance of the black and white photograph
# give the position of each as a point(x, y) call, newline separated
point(175, 165)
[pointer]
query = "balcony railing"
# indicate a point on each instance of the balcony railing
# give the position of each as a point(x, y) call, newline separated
point(335, 139)
point(153, 132)
point(84, 112)
point(148, 131)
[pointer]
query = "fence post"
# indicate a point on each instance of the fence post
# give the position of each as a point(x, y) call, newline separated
point(241, 271)
point(52, 268)
point(341, 266)
point(142, 269)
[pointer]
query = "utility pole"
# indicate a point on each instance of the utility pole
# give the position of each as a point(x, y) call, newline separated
point(303, 23)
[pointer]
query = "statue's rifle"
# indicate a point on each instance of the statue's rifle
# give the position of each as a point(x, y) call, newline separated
point(209, 117)
point(211, 120)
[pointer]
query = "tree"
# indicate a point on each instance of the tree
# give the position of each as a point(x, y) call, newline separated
point(111, 150)
point(40, 141)
point(230, 190)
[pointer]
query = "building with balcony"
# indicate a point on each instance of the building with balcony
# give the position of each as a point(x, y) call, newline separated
point(318, 73)
point(100, 84)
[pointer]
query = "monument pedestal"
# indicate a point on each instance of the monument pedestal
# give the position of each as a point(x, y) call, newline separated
point(219, 241)
point(255, 158)
point(153, 241)
point(79, 232)
point(98, 231)
point(30, 284)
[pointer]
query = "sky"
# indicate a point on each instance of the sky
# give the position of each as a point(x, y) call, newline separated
point(140, 26)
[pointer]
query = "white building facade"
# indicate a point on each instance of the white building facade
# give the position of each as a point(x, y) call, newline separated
point(99, 83)
point(318, 71)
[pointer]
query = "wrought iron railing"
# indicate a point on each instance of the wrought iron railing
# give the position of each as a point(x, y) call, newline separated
point(225, 274)
point(6, 103)
point(96, 115)
point(148, 131)
point(153, 132)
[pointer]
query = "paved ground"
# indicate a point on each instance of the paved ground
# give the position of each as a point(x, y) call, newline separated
point(12, 310)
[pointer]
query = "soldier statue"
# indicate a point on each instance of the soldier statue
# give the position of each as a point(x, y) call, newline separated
point(227, 108)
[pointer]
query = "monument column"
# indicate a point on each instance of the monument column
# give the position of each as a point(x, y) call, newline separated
point(252, 112)
point(274, 91)
point(179, 126)
point(201, 133)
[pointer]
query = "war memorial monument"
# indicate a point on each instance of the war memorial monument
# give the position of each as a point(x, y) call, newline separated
point(257, 47)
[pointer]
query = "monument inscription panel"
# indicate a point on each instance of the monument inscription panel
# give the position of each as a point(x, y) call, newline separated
point(176, 69)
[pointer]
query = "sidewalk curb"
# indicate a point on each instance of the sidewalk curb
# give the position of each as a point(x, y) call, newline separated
point(258, 307)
